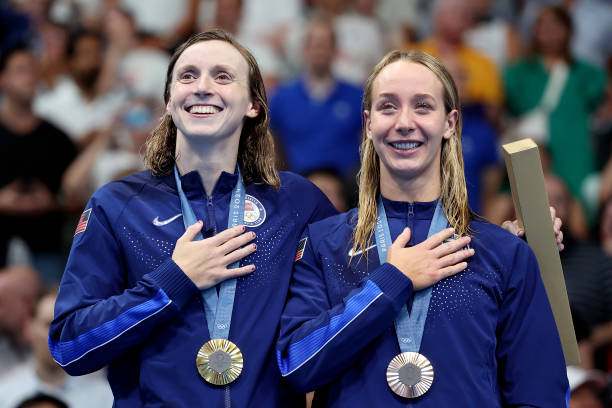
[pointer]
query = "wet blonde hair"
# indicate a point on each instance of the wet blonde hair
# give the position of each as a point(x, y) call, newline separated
point(453, 190)
point(256, 149)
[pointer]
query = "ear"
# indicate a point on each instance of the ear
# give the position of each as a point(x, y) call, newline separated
point(367, 122)
point(451, 124)
point(168, 106)
point(254, 109)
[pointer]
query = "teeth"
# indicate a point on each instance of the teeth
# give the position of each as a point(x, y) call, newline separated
point(406, 146)
point(204, 109)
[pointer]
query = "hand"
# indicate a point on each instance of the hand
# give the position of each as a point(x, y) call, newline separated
point(513, 227)
point(205, 262)
point(431, 260)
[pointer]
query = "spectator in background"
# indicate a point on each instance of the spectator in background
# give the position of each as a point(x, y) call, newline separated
point(42, 401)
point(494, 37)
point(19, 289)
point(41, 374)
point(76, 104)
point(332, 185)
point(483, 170)
point(605, 226)
point(592, 30)
point(360, 41)
point(126, 53)
point(317, 117)
point(452, 18)
point(585, 387)
point(588, 278)
point(567, 133)
point(34, 155)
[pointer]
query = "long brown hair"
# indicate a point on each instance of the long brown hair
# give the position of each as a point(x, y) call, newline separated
point(453, 191)
point(256, 149)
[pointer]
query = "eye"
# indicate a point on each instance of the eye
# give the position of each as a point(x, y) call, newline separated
point(386, 107)
point(422, 107)
point(223, 78)
point(186, 76)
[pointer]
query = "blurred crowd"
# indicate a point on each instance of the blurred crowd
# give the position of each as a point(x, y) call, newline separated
point(81, 87)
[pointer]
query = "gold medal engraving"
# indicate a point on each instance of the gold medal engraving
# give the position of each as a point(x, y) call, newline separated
point(219, 361)
point(410, 375)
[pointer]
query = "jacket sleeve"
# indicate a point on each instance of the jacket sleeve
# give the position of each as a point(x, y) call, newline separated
point(98, 315)
point(318, 340)
point(530, 360)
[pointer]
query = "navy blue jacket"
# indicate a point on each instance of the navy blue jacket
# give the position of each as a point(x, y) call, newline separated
point(489, 334)
point(124, 303)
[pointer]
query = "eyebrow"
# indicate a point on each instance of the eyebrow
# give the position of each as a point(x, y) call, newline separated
point(215, 68)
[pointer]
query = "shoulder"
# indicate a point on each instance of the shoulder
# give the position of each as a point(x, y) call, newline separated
point(492, 241)
point(114, 197)
point(336, 227)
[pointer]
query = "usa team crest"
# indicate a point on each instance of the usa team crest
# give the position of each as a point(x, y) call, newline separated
point(254, 212)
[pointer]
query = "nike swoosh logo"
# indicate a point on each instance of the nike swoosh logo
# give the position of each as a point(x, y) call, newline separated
point(350, 252)
point(159, 223)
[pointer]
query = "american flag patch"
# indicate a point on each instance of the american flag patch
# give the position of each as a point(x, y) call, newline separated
point(82, 225)
point(300, 249)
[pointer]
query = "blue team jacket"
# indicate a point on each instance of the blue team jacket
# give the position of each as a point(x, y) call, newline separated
point(124, 303)
point(489, 333)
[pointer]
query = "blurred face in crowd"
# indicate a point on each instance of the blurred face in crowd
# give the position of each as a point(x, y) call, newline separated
point(19, 78)
point(408, 121)
point(584, 397)
point(319, 48)
point(209, 92)
point(452, 18)
point(551, 35)
point(558, 196)
point(86, 62)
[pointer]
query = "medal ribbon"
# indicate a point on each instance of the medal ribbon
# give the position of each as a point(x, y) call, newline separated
point(408, 327)
point(219, 308)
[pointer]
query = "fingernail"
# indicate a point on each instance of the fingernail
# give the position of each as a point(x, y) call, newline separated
point(254, 246)
point(254, 235)
point(243, 228)
point(252, 268)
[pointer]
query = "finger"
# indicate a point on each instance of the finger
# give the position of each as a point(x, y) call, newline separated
point(553, 212)
point(560, 237)
point(452, 270)
point(239, 254)
point(436, 239)
point(455, 257)
point(557, 224)
point(227, 234)
point(452, 246)
point(190, 233)
point(237, 242)
point(243, 270)
point(402, 240)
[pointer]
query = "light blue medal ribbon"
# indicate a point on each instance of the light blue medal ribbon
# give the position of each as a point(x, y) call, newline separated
point(408, 327)
point(219, 370)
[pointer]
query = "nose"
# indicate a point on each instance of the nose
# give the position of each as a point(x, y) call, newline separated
point(203, 86)
point(405, 122)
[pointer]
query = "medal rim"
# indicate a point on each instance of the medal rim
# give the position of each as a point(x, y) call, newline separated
point(211, 376)
point(424, 383)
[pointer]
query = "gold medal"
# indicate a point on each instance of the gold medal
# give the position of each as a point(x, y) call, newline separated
point(219, 361)
point(410, 374)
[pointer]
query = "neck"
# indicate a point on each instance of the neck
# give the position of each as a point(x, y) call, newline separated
point(17, 116)
point(409, 190)
point(209, 160)
point(51, 374)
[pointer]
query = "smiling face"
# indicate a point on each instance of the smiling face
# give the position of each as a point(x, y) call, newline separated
point(407, 122)
point(209, 92)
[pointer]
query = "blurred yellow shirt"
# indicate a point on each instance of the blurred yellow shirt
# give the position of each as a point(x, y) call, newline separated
point(482, 78)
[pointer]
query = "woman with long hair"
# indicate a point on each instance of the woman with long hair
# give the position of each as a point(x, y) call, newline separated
point(178, 275)
point(412, 298)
